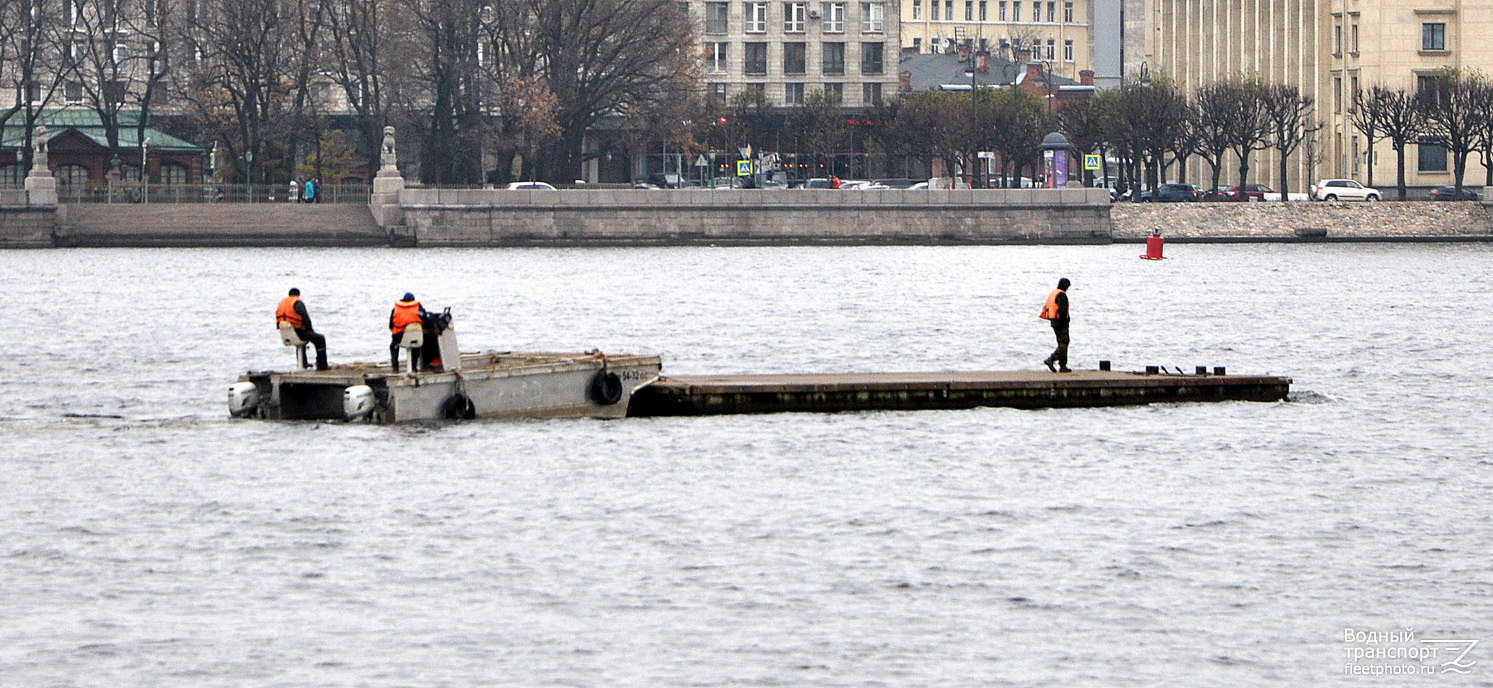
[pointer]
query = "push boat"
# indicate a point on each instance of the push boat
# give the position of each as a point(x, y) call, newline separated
point(491, 384)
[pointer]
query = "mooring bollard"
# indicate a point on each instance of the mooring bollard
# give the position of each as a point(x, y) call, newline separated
point(1153, 370)
point(1218, 370)
point(1201, 370)
point(1104, 366)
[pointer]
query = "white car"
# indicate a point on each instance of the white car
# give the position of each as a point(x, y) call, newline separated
point(1343, 190)
point(527, 186)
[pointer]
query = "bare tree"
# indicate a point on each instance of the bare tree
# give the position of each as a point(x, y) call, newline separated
point(33, 67)
point(1289, 116)
point(1251, 126)
point(1403, 121)
point(115, 57)
point(358, 47)
point(1483, 101)
point(1367, 113)
point(1216, 115)
point(1452, 110)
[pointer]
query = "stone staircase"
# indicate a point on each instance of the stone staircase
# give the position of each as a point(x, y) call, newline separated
point(217, 224)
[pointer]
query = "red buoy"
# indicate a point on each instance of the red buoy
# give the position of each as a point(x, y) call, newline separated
point(1153, 246)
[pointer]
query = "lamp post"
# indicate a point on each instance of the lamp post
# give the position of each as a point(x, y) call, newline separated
point(1145, 82)
point(1047, 82)
point(973, 114)
point(144, 177)
point(249, 174)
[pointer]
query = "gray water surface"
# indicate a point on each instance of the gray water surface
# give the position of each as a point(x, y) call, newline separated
point(148, 540)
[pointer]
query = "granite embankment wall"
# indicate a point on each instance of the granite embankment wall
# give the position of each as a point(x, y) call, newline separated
point(601, 217)
point(189, 225)
point(1342, 221)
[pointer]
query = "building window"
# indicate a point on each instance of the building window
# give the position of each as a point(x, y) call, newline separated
point(793, 94)
point(1352, 92)
point(1052, 12)
point(1337, 94)
point(1067, 50)
point(10, 176)
point(836, 91)
point(793, 17)
point(934, 6)
point(1432, 156)
point(1337, 39)
point(1068, 12)
point(1001, 10)
point(74, 175)
point(1016, 11)
point(755, 59)
point(72, 92)
point(756, 17)
point(917, 44)
point(948, 10)
point(834, 57)
point(1433, 36)
point(173, 174)
point(1052, 49)
point(984, 10)
point(871, 94)
point(917, 9)
point(794, 58)
point(834, 17)
point(718, 92)
point(1355, 39)
point(871, 16)
point(718, 54)
point(717, 18)
point(969, 10)
point(871, 62)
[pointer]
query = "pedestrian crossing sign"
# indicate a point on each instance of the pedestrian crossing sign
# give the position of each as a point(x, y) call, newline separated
point(743, 168)
point(1091, 162)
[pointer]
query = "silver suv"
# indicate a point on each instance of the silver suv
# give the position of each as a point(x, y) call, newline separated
point(1342, 190)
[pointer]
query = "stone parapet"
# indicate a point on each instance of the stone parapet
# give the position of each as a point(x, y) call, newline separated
point(1299, 220)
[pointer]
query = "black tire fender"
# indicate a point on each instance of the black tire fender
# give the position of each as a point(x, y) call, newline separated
point(458, 406)
point(606, 387)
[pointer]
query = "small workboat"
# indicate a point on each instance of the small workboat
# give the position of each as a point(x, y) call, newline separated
point(492, 384)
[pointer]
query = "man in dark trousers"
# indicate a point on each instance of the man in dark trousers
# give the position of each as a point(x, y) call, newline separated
point(293, 311)
point(1056, 311)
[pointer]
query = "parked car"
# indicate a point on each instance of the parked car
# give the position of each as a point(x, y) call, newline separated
point(822, 183)
point(1252, 192)
point(1449, 193)
point(524, 186)
point(665, 181)
point(896, 183)
point(1342, 190)
point(1171, 193)
point(918, 186)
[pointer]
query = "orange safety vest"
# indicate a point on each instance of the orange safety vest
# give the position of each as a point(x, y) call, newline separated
point(405, 313)
point(1050, 311)
point(286, 313)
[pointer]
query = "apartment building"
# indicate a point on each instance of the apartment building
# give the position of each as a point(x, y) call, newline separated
point(791, 48)
point(1056, 32)
point(1330, 49)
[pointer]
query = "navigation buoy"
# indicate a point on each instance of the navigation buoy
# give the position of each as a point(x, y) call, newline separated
point(1154, 245)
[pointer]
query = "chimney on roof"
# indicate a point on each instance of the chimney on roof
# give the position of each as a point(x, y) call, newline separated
point(1086, 77)
point(982, 61)
point(904, 80)
point(1034, 73)
point(964, 52)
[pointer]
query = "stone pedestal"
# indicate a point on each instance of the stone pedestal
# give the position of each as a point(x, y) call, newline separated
point(387, 186)
point(41, 191)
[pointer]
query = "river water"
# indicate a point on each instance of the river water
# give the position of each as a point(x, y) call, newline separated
point(148, 540)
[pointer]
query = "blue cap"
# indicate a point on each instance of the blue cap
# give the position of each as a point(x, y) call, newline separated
point(408, 297)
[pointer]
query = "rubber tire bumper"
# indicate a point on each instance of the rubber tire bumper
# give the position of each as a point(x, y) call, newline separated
point(606, 387)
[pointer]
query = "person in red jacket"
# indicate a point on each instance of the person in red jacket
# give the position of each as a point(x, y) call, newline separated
point(293, 311)
point(406, 312)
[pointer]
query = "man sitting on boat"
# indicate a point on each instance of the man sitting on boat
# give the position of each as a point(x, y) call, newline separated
point(407, 311)
point(293, 311)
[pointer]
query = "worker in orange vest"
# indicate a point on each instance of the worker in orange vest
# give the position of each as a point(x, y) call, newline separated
point(406, 312)
point(1056, 312)
point(293, 311)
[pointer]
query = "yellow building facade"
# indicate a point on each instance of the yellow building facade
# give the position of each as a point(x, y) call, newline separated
point(1330, 49)
point(1056, 32)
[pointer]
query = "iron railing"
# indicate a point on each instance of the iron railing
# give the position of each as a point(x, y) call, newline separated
point(135, 192)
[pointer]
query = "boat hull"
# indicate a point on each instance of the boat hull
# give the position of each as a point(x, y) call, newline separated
point(488, 385)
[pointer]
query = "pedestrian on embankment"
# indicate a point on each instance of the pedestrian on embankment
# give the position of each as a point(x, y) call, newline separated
point(295, 191)
point(1056, 312)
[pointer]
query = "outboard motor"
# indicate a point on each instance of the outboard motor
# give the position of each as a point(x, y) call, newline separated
point(357, 402)
point(243, 399)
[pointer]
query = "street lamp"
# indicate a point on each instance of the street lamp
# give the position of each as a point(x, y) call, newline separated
point(1047, 81)
point(249, 173)
point(973, 116)
point(144, 187)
